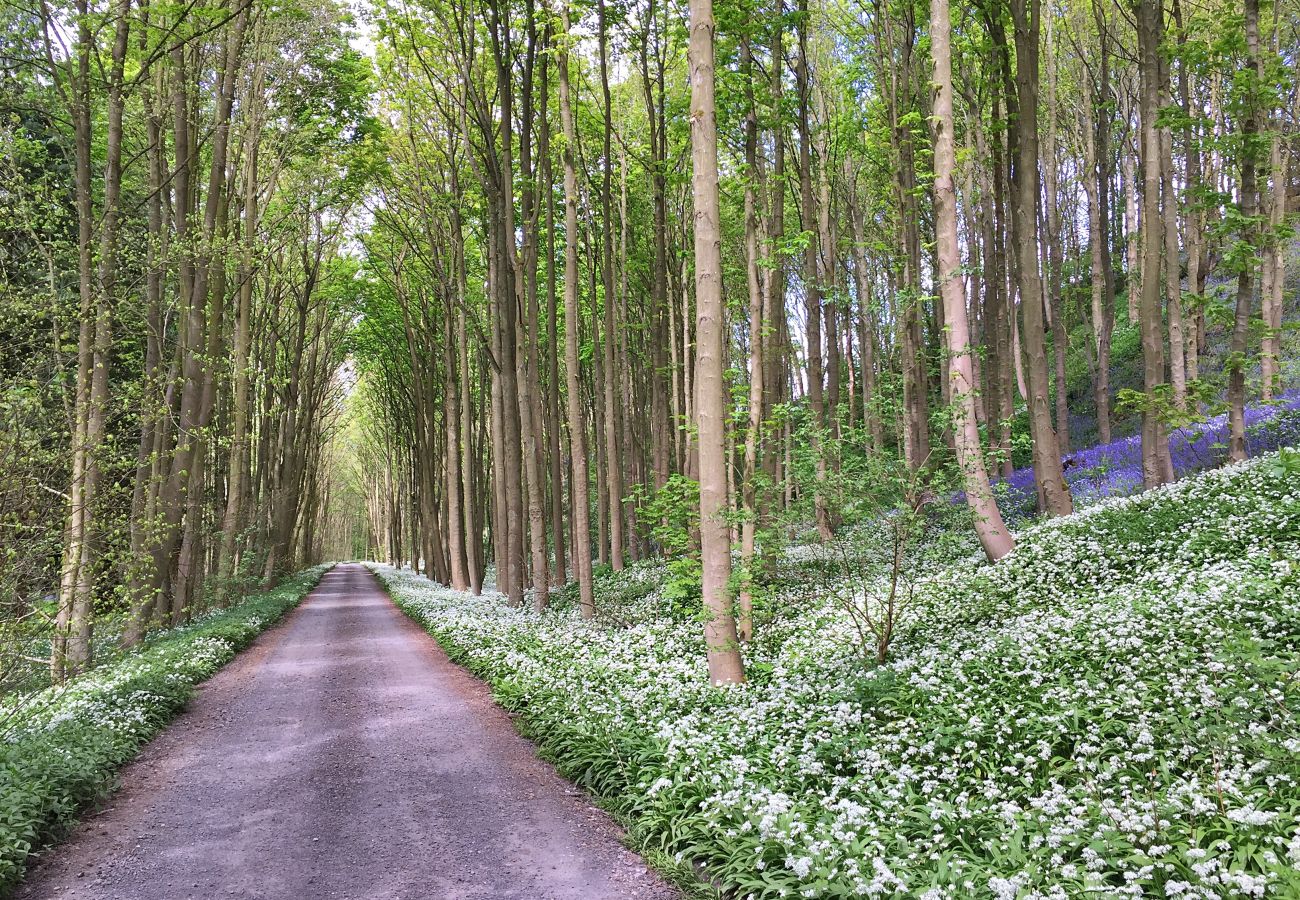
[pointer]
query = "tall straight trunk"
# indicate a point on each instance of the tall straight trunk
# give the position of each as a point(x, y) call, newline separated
point(828, 273)
point(916, 413)
point(902, 102)
point(153, 393)
point(1098, 177)
point(473, 522)
point(212, 283)
point(500, 512)
point(232, 520)
point(471, 505)
point(198, 263)
point(690, 443)
point(451, 413)
point(628, 405)
point(262, 480)
point(866, 324)
point(613, 373)
point(937, 326)
point(71, 646)
point(811, 277)
point(774, 301)
point(850, 370)
point(1248, 189)
point(753, 188)
point(530, 422)
point(720, 638)
point(676, 403)
point(1132, 266)
point(808, 208)
point(504, 222)
point(661, 331)
point(1193, 215)
point(1001, 297)
point(1156, 465)
point(973, 282)
point(1173, 271)
point(597, 384)
point(288, 475)
point(1097, 279)
point(1273, 264)
point(295, 435)
point(580, 514)
point(993, 534)
point(662, 397)
point(991, 280)
point(152, 414)
point(190, 324)
point(530, 407)
point(1055, 256)
point(1046, 450)
point(553, 454)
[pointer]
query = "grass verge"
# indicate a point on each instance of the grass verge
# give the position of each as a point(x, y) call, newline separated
point(61, 751)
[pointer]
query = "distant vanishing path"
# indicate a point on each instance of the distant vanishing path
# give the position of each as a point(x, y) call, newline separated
point(343, 756)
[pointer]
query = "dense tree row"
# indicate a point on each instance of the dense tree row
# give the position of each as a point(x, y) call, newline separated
point(903, 227)
point(176, 184)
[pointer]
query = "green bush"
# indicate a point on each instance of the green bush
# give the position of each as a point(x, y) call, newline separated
point(60, 750)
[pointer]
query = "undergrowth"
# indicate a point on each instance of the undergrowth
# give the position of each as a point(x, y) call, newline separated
point(60, 751)
point(1113, 710)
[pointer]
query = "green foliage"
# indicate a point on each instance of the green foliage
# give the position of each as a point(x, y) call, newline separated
point(1201, 400)
point(675, 511)
point(60, 750)
point(1286, 463)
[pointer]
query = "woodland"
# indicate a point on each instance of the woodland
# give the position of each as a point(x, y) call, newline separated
point(857, 438)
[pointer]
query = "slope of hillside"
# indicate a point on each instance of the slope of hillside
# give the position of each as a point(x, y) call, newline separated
point(1113, 710)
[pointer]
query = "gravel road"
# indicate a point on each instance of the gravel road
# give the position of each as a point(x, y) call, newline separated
point(343, 756)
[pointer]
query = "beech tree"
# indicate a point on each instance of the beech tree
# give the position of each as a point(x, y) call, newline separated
point(993, 533)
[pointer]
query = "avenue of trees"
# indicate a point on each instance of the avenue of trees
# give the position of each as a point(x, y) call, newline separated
point(505, 290)
point(175, 183)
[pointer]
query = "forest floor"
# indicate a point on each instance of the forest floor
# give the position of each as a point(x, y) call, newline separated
point(1110, 710)
point(343, 755)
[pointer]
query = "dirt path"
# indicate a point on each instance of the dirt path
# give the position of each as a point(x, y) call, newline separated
point(343, 756)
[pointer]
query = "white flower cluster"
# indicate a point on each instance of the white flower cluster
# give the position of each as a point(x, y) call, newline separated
point(104, 697)
point(1111, 711)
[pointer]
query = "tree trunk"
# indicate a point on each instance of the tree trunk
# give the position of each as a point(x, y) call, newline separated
point(71, 645)
point(613, 374)
point(1046, 451)
point(580, 515)
point(721, 643)
point(993, 534)
point(811, 278)
point(1097, 182)
point(1273, 271)
point(1156, 467)
point(753, 188)
point(1173, 270)
point(1055, 256)
point(1238, 347)
point(554, 456)
point(1132, 270)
